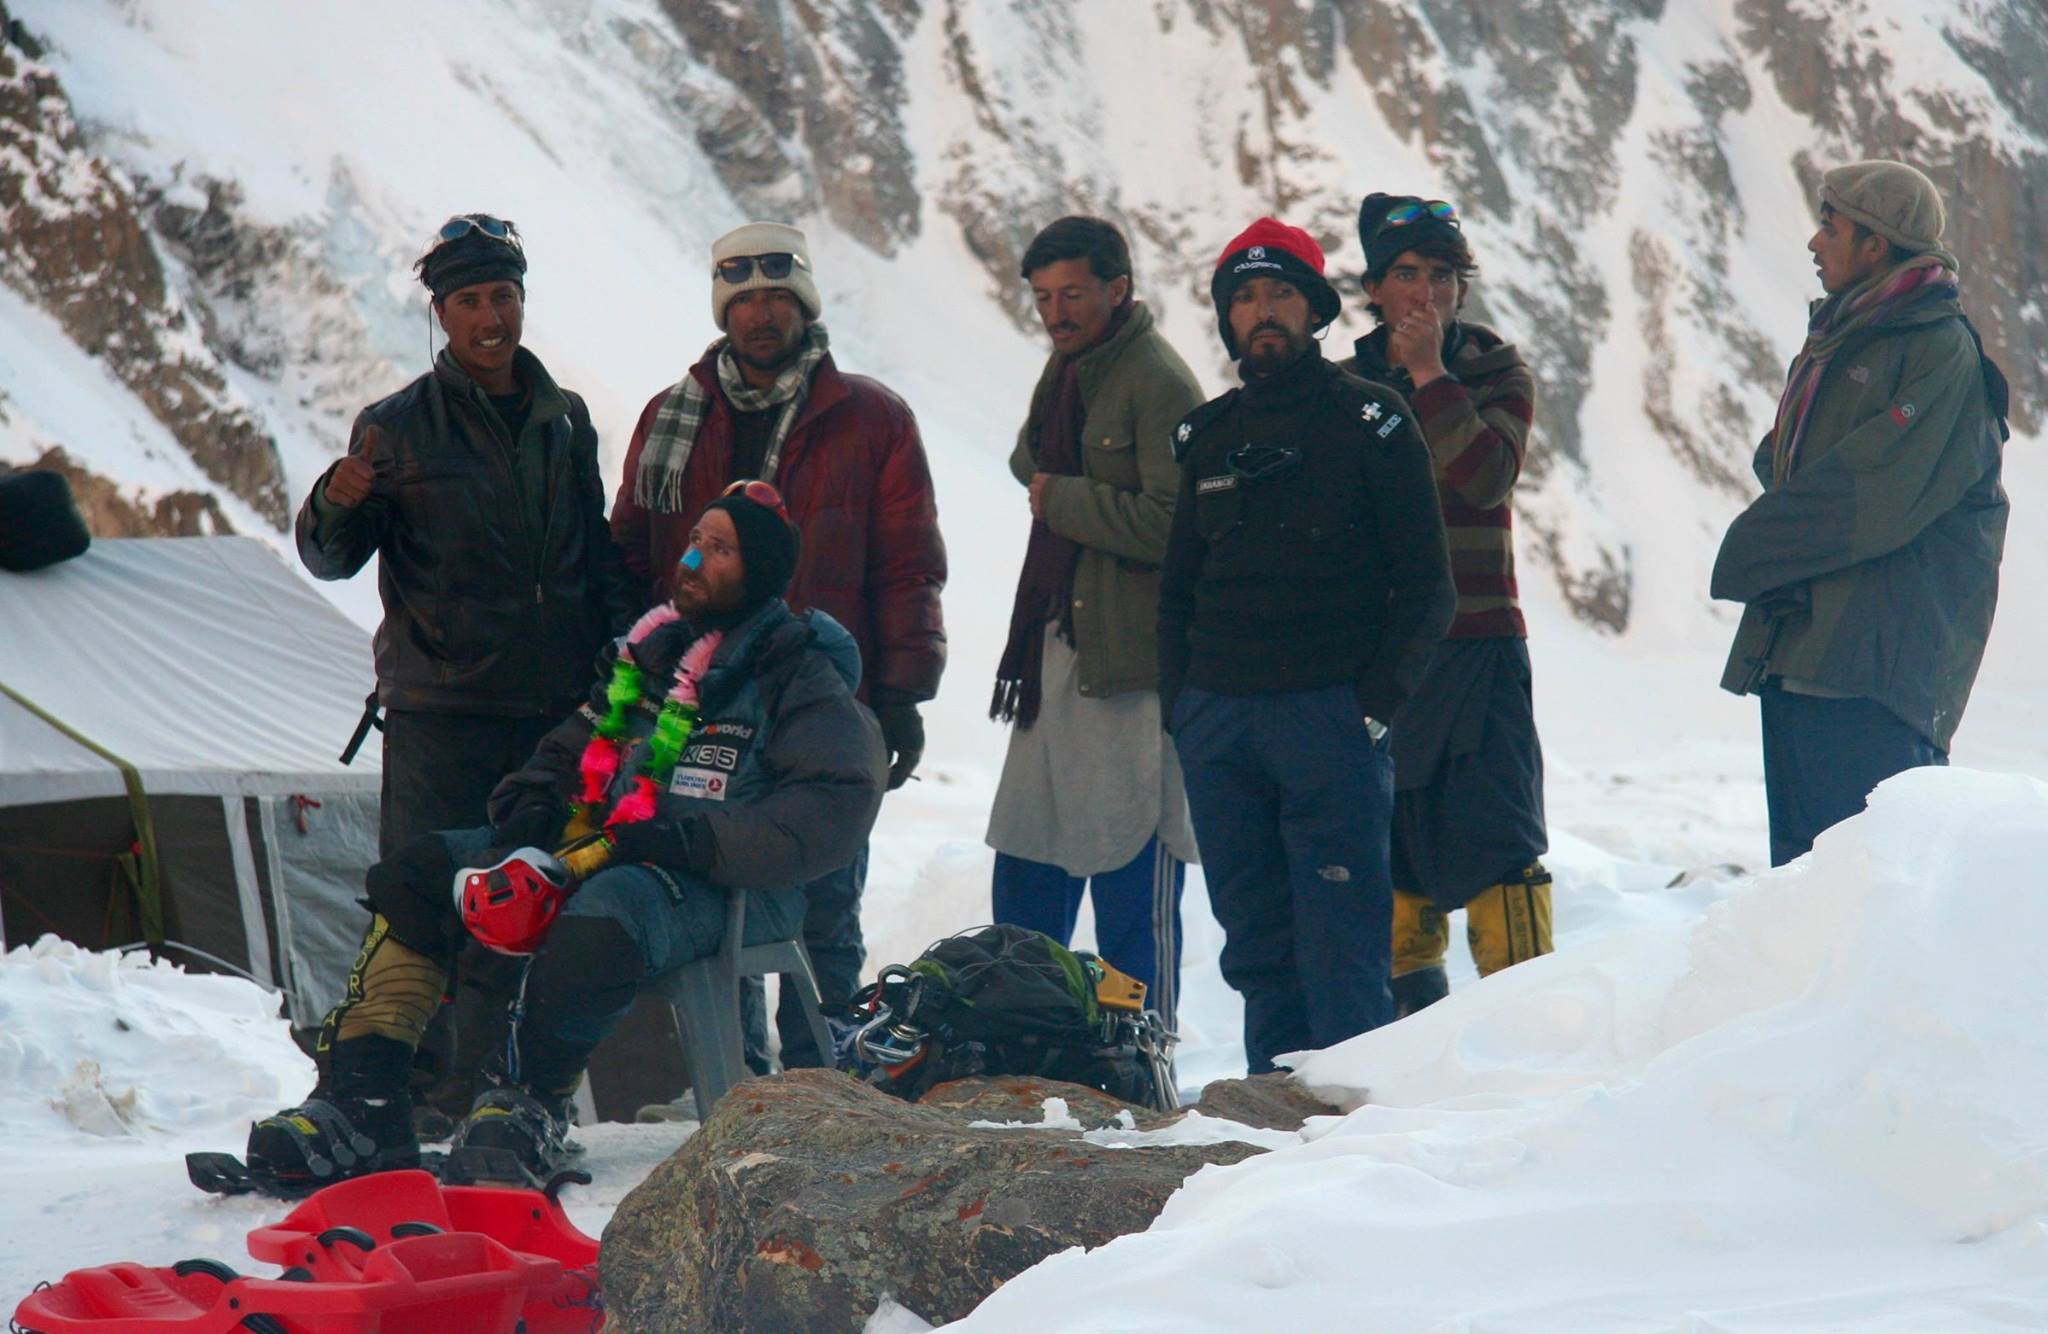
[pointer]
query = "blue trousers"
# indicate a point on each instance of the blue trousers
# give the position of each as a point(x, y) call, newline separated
point(1137, 913)
point(1291, 803)
point(1822, 757)
point(622, 932)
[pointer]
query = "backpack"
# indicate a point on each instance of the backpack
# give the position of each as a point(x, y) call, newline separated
point(1004, 1000)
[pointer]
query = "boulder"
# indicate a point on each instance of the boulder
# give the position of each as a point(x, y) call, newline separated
point(809, 1197)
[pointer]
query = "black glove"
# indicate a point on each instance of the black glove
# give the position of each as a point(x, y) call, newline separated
point(535, 820)
point(681, 843)
point(903, 735)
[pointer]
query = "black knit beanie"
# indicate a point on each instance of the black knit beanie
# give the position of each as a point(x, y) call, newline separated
point(1384, 244)
point(469, 259)
point(769, 547)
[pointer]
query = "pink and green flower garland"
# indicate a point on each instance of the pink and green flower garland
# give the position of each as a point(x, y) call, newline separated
point(678, 718)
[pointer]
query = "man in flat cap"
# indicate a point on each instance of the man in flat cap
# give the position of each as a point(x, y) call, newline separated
point(1869, 565)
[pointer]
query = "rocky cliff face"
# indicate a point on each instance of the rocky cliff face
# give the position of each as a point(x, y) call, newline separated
point(1637, 178)
point(77, 243)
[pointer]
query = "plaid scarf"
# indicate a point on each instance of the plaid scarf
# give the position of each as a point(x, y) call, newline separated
point(658, 485)
point(1835, 321)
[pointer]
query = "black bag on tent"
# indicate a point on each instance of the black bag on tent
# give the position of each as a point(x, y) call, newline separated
point(39, 521)
point(1003, 1000)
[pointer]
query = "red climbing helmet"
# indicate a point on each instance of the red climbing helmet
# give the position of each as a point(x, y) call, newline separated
point(510, 904)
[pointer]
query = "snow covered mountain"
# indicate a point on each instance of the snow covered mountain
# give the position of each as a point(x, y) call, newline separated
point(211, 214)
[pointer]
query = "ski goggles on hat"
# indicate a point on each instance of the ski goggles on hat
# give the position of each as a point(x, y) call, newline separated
point(762, 494)
point(776, 264)
point(462, 224)
point(1415, 210)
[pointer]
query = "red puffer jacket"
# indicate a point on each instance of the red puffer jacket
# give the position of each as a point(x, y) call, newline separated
point(853, 473)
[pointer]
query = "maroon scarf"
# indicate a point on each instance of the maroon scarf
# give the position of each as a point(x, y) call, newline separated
point(1045, 586)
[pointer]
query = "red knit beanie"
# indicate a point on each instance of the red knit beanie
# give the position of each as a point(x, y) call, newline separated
point(1269, 248)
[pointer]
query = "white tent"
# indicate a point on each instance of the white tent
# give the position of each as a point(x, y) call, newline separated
point(171, 713)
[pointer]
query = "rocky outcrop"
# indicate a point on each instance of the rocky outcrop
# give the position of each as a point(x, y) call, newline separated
point(1982, 147)
point(807, 1198)
point(75, 243)
point(824, 80)
point(110, 511)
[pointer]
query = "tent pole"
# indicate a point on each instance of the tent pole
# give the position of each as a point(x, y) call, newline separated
point(149, 886)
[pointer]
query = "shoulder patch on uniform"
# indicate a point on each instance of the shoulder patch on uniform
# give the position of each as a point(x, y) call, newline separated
point(1192, 424)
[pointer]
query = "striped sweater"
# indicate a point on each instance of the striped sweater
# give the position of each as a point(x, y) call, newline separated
point(1476, 421)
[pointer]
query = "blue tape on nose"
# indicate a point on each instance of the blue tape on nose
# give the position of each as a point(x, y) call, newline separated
point(693, 559)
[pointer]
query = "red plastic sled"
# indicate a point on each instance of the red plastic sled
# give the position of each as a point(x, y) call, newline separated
point(334, 1232)
point(429, 1284)
point(389, 1253)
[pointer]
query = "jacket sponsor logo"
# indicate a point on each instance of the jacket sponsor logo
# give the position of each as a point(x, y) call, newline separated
point(1860, 374)
point(705, 784)
point(1388, 429)
point(1222, 483)
point(734, 731)
point(710, 755)
point(1183, 432)
point(1903, 413)
point(1372, 412)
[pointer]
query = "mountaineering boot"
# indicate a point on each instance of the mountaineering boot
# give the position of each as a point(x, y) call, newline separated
point(511, 1134)
point(1509, 923)
point(1419, 990)
point(359, 1121)
point(1422, 935)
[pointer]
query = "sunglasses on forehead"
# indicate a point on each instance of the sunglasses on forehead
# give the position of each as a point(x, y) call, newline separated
point(762, 494)
point(462, 224)
point(774, 265)
point(1415, 210)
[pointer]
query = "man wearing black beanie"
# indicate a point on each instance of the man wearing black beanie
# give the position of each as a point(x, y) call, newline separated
point(477, 485)
point(720, 746)
point(1306, 585)
point(1468, 767)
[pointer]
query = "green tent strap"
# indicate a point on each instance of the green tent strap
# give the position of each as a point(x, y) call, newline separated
point(145, 878)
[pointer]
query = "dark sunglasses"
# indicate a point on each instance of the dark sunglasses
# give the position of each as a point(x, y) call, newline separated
point(462, 224)
point(775, 265)
point(1415, 210)
point(1255, 463)
point(762, 494)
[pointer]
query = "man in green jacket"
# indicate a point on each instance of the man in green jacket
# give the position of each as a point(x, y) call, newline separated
point(1091, 789)
point(1869, 565)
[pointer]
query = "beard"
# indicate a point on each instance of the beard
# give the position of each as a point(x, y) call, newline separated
point(1266, 359)
point(759, 354)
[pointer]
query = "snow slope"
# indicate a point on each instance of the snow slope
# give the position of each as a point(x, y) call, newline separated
point(1816, 1106)
point(1802, 1100)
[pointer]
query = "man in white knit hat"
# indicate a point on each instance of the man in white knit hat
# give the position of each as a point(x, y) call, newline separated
point(767, 401)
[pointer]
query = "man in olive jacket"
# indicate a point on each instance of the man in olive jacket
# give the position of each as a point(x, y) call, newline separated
point(1869, 565)
point(1091, 797)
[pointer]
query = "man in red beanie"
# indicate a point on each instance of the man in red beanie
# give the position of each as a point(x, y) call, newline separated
point(1306, 586)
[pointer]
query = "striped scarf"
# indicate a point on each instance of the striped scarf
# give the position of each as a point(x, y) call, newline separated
point(1835, 321)
point(658, 485)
